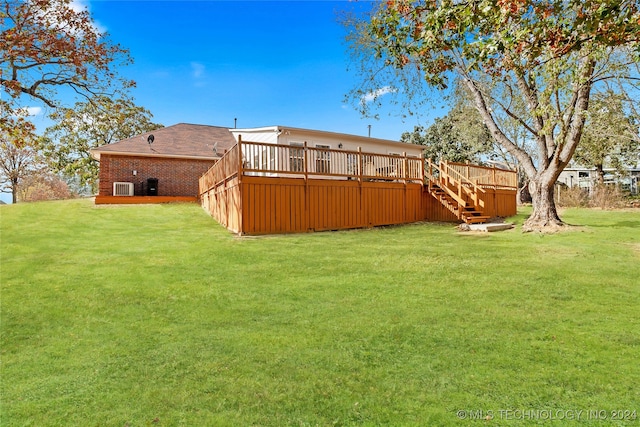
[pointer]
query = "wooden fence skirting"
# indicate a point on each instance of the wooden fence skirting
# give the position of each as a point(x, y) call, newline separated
point(280, 205)
point(272, 205)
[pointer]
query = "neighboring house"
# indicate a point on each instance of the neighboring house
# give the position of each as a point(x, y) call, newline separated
point(586, 178)
point(171, 159)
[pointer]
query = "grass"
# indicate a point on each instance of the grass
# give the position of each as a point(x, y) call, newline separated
point(156, 315)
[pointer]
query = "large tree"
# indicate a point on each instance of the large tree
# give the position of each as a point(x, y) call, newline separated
point(88, 125)
point(48, 45)
point(19, 157)
point(546, 56)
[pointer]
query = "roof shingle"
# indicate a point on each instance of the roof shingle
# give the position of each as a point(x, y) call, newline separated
point(180, 140)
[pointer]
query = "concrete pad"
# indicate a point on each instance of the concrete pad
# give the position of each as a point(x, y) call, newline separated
point(490, 227)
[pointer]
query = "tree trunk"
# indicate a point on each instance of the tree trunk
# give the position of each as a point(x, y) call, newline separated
point(600, 173)
point(523, 195)
point(14, 191)
point(544, 216)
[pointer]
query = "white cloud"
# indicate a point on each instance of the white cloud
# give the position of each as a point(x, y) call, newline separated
point(27, 112)
point(372, 96)
point(34, 111)
point(197, 69)
point(82, 5)
point(79, 5)
point(50, 16)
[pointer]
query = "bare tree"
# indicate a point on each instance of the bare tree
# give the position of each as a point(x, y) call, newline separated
point(18, 151)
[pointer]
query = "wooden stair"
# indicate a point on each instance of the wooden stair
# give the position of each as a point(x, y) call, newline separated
point(460, 202)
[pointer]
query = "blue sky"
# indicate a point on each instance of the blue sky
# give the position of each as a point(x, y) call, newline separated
point(262, 62)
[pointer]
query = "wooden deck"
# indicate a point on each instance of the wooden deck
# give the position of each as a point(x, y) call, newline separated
point(281, 189)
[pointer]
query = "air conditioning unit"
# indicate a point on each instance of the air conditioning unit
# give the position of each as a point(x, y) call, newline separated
point(123, 188)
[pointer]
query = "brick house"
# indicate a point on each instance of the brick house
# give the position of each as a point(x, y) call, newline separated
point(165, 163)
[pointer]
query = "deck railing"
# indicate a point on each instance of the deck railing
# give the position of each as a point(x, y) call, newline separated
point(297, 161)
point(486, 176)
point(224, 169)
point(303, 161)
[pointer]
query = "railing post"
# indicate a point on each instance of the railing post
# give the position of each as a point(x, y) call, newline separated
point(306, 161)
point(428, 171)
point(240, 162)
point(240, 188)
point(444, 172)
point(359, 164)
point(405, 166)
point(495, 186)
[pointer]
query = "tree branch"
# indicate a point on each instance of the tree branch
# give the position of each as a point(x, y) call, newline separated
point(522, 156)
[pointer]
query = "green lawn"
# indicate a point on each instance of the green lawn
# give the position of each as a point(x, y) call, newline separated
point(156, 315)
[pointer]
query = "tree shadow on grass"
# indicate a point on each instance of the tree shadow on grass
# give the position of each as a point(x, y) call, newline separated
point(619, 224)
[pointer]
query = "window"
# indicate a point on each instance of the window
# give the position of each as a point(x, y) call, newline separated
point(296, 157)
point(323, 159)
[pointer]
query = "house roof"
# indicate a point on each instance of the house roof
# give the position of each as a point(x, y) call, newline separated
point(191, 141)
point(182, 140)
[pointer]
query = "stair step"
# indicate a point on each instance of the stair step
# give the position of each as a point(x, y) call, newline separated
point(473, 214)
point(475, 219)
point(466, 213)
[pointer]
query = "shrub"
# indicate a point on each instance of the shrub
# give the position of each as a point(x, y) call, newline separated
point(606, 197)
point(574, 197)
point(43, 187)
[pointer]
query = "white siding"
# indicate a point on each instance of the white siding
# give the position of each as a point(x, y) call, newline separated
point(264, 135)
point(349, 142)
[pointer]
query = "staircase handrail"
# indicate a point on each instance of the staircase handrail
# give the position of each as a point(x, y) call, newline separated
point(449, 174)
point(429, 174)
point(463, 178)
point(473, 194)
